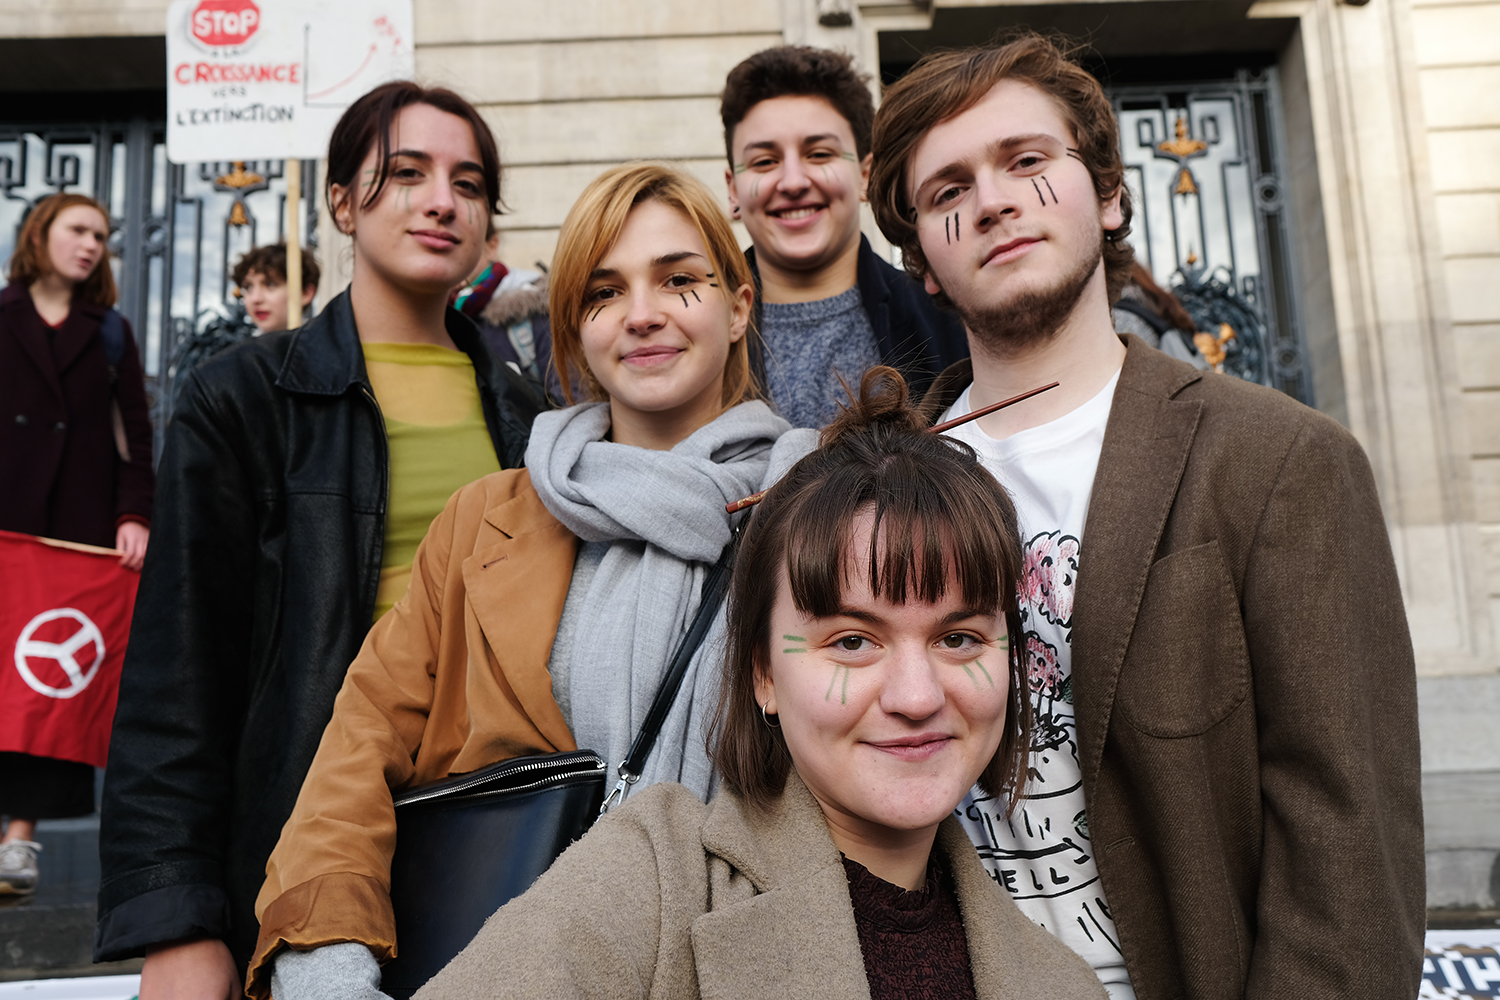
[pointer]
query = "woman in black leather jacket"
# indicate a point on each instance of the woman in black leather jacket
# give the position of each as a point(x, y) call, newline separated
point(270, 535)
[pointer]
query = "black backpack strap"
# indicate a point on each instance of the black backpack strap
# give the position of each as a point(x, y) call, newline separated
point(112, 332)
point(1157, 323)
point(715, 586)
point(1146, 313)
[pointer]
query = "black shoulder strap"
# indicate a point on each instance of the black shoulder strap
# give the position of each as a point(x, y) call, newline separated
point(112, 332)
point(1146, 313)
point(715, 586)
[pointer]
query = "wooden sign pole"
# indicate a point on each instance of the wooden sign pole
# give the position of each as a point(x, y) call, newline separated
point(293, 244)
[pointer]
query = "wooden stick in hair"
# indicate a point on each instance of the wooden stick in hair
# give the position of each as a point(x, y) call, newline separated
point(947, 425)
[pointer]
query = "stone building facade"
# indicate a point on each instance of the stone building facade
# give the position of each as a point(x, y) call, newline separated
point(1388, 122)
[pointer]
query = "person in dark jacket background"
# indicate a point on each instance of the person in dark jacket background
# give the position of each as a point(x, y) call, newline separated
point(71, 470)
point(295, 468)
point(797, 130)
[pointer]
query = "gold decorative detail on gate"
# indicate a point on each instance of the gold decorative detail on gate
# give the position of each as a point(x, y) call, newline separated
point(237, 180)
point(1182, 147)
point(238, 177)
point(1212, 347)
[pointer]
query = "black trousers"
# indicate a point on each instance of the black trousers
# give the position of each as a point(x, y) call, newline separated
point(44, 788)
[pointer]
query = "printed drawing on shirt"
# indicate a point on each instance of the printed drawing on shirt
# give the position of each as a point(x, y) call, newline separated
point(1047, 582)
point(1042, 852)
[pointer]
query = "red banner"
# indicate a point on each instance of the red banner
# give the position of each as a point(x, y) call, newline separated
point(64, 619)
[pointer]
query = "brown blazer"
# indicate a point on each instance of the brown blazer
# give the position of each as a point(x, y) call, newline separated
point(669, 898)
point(450, 680)
point(1245, 694)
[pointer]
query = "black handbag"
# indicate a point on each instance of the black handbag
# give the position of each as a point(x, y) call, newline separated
point(467, 845)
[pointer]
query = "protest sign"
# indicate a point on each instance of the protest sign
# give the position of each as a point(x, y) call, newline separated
point(268, 79)
point(64, 621)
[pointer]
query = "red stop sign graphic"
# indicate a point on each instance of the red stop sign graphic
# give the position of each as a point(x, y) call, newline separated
point(224, 22)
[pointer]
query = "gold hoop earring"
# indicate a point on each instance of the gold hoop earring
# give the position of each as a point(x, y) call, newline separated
point(766, 719)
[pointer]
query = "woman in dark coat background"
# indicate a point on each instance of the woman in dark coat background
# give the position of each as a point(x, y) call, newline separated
point(63, 455)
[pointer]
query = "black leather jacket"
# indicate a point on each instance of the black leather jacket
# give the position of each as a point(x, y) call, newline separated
point(258, 589)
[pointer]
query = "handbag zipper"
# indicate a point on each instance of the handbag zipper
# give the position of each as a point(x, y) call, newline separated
point(455, 791)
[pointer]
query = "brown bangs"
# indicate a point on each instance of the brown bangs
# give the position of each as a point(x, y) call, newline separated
point(920, 533)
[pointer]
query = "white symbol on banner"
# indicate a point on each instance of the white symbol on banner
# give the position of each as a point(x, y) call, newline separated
point(65, 653)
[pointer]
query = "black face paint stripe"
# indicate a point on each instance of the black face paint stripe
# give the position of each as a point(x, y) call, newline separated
point(1049, 188)
point(956, 234)
point(947, 236)
point(1040, 196)
point(695, 295)
point(683, 296)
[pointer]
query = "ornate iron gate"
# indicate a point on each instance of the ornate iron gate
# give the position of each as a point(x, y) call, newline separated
point(1203, 164)
point(175, 229)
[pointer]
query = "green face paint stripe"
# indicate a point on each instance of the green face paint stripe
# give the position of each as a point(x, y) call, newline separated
point(794, 650)
point(789, 638)
point(985, 672)
point(829, 693)
point(850, 157)
point(844, 695)
point(970, 673)
point(740, 168)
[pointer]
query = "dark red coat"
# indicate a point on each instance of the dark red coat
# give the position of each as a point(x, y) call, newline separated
point(60, 473)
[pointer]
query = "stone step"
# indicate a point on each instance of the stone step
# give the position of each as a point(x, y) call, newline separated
point(53, 929)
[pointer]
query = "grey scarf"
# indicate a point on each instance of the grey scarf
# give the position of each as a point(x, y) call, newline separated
point(662, 513)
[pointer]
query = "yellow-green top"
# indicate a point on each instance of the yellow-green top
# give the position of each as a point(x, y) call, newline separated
point(438, 442)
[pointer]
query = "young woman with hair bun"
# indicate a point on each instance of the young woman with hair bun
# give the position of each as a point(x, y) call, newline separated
point(299, 473)
point(870, 683)
point(547, 602)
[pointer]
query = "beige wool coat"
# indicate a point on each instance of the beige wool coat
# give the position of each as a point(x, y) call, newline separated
point(671, 899)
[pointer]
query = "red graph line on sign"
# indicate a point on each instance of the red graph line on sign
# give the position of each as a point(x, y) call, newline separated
point(348, 79)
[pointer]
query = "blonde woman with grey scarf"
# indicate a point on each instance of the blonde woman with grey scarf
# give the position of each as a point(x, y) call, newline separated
point(546, 602)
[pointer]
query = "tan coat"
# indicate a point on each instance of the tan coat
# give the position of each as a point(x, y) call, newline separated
point(1245, 692)
point(672, 899)
point(452, 679)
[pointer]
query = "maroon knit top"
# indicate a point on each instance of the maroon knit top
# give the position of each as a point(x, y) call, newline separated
point(913, 942)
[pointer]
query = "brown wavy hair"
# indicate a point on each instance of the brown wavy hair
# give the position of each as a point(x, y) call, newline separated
point(32, 261)
point(270, 260)
point(937, 511)
point(594, 224)
point(946, 84)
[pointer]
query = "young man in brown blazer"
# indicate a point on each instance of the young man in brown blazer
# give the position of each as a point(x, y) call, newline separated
point(1225, 796)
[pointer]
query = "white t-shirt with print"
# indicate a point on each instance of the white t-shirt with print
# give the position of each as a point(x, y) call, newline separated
point(1042, 854)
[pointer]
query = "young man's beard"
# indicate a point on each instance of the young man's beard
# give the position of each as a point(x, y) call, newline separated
point(1034, 316)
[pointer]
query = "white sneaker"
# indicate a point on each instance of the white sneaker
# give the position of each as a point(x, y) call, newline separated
point(18, 871)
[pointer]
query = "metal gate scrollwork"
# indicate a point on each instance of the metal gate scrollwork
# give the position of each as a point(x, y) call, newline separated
point(176, 230)
point(1204, 169)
